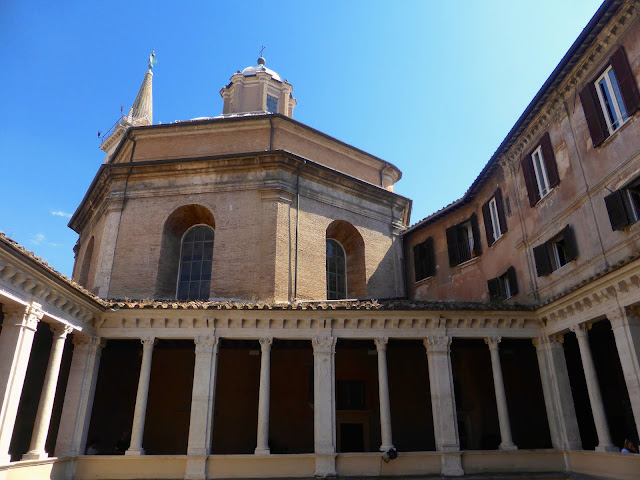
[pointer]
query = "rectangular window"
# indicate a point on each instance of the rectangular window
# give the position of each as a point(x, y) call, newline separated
point(272, 104)
point(463, 241)
point(424, 260)
point(555, 253)
point(540, 170)
point(610, 99)
point(623, 205)
point(495, 223)
point(503, 287)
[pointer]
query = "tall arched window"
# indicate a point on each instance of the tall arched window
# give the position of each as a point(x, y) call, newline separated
point(196, 256)
point(336, 271)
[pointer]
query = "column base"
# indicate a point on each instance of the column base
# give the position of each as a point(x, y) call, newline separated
point(507, 447)
point(35, 455)
point(607, 448)
point(196, 468)
point(326, 465)
point(262, 451)
point(134, 452)
point(451, 464)
point(4, 459)
point(386, 448)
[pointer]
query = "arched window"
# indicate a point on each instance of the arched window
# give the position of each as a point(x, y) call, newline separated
point(196, 256)
point(336, 271)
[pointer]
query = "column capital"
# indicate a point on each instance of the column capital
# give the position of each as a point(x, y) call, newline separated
point(60, 330)
point(542, 340)
point(148, 342)
point(381, 343)
point(437, 343)
point(581, 330)
point(493, 342)
point(23, 316)
point(206, 343)
point(265, 344)
point(323, 344)
point(86, 343)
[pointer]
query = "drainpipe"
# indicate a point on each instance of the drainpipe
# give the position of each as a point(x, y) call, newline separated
point(271, 134)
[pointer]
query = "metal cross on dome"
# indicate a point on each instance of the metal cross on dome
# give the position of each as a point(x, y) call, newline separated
point(152, 59)
point(261, 50)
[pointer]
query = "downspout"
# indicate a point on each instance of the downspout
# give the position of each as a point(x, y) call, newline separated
point(295, 268)
point(271, 134)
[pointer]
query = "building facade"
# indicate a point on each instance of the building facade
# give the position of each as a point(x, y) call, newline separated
point(289, 322)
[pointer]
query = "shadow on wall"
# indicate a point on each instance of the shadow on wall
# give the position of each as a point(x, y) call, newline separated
point(174, 228)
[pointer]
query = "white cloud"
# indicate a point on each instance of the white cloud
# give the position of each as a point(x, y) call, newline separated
point(60, 213)
point(41, 239)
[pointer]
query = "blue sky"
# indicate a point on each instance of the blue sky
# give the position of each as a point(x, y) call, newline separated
point(431, 86)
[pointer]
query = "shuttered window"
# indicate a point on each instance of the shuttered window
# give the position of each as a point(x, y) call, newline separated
point(495, 223)
point(503, 287)
point(540, 170)
point(556, 252)
point(463, 241)
point(623, 206)
point(424, 260)
point(611, 99)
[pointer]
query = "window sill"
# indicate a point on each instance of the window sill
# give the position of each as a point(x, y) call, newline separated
point(551, 192)
point(500, 238)
point(608, 140)
point(424, 281)
point(467, 263)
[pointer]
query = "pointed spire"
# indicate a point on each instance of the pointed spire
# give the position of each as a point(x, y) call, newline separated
point(141, 112)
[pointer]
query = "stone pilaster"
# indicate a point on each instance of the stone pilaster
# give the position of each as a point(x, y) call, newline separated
point(595, 397)
point(383, 386)
point(202, 405)
point(140, 412)
point(443, 403)
point(78, 398)
point(556, 388)
point(45, 406)
point(626, 331)
point(324, 405)
point(262, 447)
point(18, 328)
point(501, 397)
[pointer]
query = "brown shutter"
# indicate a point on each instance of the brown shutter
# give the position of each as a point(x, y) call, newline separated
point(500, 205)
point(549, 160)
point(418, 262)
point(615, 208)
point(593, 114)
point(488, 227)
point(494, 289)
point(570, 243)
point(477, 245)
point(430, 257)
point(452, 246)
point(513, 281)
point(530, 180)
point(626, 82)
point(542, 259)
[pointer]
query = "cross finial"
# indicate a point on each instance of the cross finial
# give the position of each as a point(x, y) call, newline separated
point(261, 50)
point(152, 59)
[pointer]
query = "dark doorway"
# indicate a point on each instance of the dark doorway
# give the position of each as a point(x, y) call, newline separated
point(352, 437)
point(478, 426)
point(357, 397)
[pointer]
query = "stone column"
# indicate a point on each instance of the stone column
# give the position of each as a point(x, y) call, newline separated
point(137, 430)
point(595, 398)
point(626, 331)
point(556, 389)
point(443, 403)
point(18, 328)
point(383, 386)
point(45, 407)
point(501, 397)
point(202, 406)
point(262, 447)
point(324, 405)
point(78, 398)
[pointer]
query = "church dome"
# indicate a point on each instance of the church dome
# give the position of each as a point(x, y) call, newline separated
point(251, 71)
